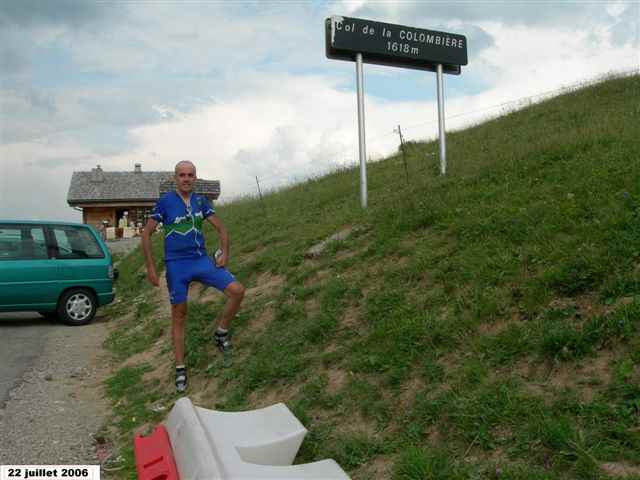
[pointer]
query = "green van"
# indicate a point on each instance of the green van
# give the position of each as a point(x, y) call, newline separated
point(54, 268)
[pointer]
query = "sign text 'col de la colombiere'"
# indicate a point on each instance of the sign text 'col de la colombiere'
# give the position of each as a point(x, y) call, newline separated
point(394, 45)
point(365, 41)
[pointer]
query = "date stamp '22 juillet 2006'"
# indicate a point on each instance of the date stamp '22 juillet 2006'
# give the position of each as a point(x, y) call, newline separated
point(49, 472)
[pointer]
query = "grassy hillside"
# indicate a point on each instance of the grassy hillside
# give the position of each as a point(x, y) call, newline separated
point(484, 324)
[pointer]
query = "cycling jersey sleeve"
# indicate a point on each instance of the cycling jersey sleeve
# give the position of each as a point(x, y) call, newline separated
point(207, 208)
point(159, 212)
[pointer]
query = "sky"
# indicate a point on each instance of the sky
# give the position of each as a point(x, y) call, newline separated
point(245, 90)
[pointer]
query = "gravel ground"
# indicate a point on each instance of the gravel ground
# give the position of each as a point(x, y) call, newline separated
point(124, 245)
point(51, 417)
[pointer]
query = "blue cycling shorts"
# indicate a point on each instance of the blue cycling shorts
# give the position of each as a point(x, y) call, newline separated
point(180, 273)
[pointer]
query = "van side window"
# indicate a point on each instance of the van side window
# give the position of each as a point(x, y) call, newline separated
point(22, 242)
point(75, 242)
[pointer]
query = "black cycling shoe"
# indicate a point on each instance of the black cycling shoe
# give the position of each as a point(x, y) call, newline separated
point(181, 379)
point(223, 342)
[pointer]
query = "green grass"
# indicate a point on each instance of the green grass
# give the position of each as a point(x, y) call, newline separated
point(484, 324)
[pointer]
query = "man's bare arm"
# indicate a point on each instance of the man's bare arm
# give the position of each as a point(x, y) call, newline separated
point(224, 239)
point(150, 263)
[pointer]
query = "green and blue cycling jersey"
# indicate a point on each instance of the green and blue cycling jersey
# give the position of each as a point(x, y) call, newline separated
point(182, 225)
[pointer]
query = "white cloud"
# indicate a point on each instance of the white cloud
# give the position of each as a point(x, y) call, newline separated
point(615, 9)
point(274, 126)
point(244, 95)
point(347, 7)
point(34, 179)
point(199, 39)
point(511, 12)
point(282, 126)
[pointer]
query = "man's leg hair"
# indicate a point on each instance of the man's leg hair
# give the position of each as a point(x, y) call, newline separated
point(222, 338)
point(178, 321)
point(235, 294)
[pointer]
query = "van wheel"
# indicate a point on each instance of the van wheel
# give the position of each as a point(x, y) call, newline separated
point(77, 307)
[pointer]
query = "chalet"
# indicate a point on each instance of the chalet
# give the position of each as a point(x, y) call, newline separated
point(106, 196)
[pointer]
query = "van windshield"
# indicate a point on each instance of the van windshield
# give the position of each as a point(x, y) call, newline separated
point(76, 242)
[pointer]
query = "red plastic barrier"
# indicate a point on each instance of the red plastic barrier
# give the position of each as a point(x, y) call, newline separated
point(154, 456)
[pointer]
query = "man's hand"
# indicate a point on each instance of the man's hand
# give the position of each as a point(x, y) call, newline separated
point(221, 260)
point(152, 276)
point(217, 224)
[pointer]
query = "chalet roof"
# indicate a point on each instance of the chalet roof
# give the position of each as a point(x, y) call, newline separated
point(98, 186)
point(208, 188)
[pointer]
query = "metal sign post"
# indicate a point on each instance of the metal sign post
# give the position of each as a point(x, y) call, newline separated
point(367, 41)
point(361, 132)
point(443, 145)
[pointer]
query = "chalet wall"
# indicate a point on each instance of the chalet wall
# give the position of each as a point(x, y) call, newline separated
point(95, 215)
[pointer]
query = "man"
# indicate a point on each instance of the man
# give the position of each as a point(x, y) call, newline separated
point(182, 214)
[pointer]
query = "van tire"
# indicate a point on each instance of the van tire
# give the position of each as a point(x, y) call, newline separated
point(77, 306)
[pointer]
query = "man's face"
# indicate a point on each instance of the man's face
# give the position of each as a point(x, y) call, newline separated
point(185, 178)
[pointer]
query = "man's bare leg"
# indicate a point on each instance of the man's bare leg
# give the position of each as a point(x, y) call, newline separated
point(178, 321)
point(235, 294)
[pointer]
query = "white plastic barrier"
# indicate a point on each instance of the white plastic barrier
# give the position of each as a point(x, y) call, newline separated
point(213, 445)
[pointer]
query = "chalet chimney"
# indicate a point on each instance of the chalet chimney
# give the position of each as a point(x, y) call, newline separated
point(137, 168)
point(97, 174)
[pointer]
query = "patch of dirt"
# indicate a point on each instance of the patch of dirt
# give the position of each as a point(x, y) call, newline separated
point(561, 303)
point(265, 283)
point(317, 277)
point(618, 303)
point(247, 258)
point(525, 369)
point(147, 356)
point(376, 269)
point(163, 292)
point(259, 323)
point(196, 290)
point(380, 468)
point(357, 425)
point(586, 376)
point(409, 242)
point(332, 347)
point(312, 307)
point(351, 318)
point(421, 288)
point(588, 369)
point(399, 261)
point(409, 391)
point(266, 397)
point(587, 306)
point(207, 294)
point(163, 369)
point(620, 469)
point(450, 361)
point(493, 328)
point(345, 254)
point(336, 380)
point(202, 391)
point(433, 435)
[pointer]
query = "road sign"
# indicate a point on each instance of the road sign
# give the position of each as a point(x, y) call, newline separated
point(365, 41)
point(394, 45)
